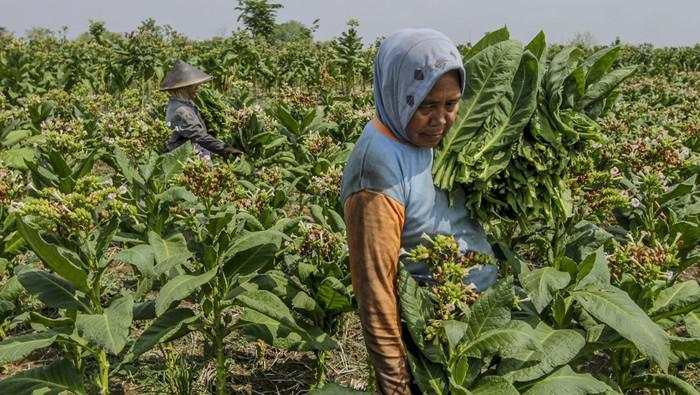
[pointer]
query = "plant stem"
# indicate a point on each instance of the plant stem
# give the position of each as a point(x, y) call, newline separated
point(219, 333)
point(78, 358)
point(321, 368)
point(104, 372)
point(220, 365)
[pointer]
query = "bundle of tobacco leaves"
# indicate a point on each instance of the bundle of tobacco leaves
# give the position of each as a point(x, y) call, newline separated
point(522, 117)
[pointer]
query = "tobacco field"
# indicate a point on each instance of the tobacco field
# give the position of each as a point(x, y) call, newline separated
point(124, 269)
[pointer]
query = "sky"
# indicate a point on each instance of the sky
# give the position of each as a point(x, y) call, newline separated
point(660, 22)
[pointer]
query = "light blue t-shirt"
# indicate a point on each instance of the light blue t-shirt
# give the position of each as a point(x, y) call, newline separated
point(403, 172)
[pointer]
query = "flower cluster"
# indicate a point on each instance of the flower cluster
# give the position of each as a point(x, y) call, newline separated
point(208, 181)
point(134, 131)
point(319, 242)
point(296, 98)
point(327, 185)
point(271, 175)
point(238, 118)
point(254, 202)
point(657, 149)
point(11, 182)
point(645, 264)
point(92, 202)
point(350, 119)
point(64, 135)
point(60, 101)
point(602, 202)
point(318, 144)
point(449, 267)
point(10, 114)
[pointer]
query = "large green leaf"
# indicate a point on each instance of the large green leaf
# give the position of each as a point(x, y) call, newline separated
point(663, 382)
point(489, 39)
point(561, 66)
point(15, 348)
point(145, 310)
point(559, 347)
point(538, 47)
point(52, 290)
point(454, 332)
point(614, 307)
point(492, 309)
point(506, 340)
point(172, 162)
point(252, 252)
point(680, 193)
point(15, 137)
point(181, 287)
point(280, 284)
point(541, 284)
point(416, 306)
point(504, 127)
point(60, 323)
point(692, 323)
point(165, 249)
point(141, 257)
point(174, 194)
point(678, 299)
point(602, 88)
point(593, 271)
point(168, 253)
point(165, 328)
point(689, 233)
point(489, 76)
point(100, 239)
point(333, 295)
point(16, 157)
point(584, 239)
point(53, 258)
point(11, 289)
point(110, 329)
point(266, 317)
point(494, 385)
point(124, 166)
point(428, 375)
point(566, 381)
point(685, 349)
point(600, 63)
point(58, 378)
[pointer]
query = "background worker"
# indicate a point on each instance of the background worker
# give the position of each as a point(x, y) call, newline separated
point(388, 193)
point(182, 116)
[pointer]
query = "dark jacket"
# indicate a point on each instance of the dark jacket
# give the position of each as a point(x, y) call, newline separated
point(186, 123)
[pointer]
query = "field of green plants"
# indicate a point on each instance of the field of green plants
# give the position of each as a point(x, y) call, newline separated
point(127, 270)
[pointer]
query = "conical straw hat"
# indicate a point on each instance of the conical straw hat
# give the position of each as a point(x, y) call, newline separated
point(183, 74)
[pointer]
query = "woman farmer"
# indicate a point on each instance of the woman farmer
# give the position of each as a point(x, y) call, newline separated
point(182, 116)
point(388, 193)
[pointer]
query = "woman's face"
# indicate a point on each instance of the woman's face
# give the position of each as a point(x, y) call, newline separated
point(193, 90)
point(436, 114)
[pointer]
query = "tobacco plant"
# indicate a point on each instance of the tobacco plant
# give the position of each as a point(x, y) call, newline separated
point(85, 322)
point(563, 315)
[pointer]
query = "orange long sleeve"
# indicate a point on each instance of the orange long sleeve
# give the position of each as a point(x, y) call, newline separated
point(374, 223)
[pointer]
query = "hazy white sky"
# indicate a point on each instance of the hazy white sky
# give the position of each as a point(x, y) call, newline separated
point(661, 22)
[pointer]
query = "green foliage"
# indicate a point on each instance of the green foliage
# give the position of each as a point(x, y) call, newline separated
point(569, 313)
point(258, 16)
point(520, 121)
point(110, 250)
point(292, 31)
point(60, 376)
point(348, 51)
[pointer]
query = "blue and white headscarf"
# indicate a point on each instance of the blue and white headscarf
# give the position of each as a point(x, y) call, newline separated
point(408, 64)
